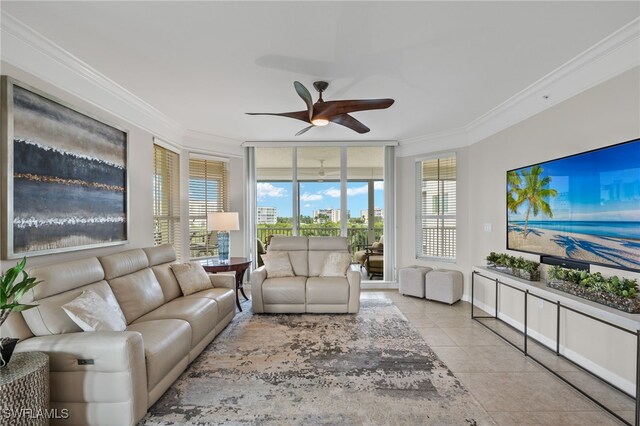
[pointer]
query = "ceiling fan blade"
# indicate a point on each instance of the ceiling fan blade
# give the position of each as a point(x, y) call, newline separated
point(329, 108)
point(306, 97)
point(304, 130)
point(298, 115)
point(348, 121)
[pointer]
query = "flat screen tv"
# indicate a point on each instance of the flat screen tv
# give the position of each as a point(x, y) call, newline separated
point(585, 207)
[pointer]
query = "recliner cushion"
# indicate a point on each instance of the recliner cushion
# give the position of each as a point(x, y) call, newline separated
point(290, 290)
point(200, 313)
point(137, 293)
point(224, 297)
point(166, 342)
point(327, 291)
point(49, 318)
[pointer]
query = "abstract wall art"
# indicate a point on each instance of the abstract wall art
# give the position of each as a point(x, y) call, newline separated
point(65, 179)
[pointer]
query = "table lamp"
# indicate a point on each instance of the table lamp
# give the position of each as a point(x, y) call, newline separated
point(223, 222)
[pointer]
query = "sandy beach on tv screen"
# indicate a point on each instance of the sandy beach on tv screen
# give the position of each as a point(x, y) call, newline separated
point(598, 249)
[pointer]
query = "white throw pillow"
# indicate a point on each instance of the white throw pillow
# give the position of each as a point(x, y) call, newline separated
point(92, 313)
point(336, 265)
point(191, 277)
point(278, 265)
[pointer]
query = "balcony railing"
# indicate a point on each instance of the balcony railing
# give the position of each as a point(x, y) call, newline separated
point(357, 237)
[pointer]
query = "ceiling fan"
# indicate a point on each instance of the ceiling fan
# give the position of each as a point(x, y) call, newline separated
point(322, 113)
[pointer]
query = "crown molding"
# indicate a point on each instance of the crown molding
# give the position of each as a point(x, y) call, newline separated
point(33, 53)
point(607, 59)
point(196, 141)
point(450, 139)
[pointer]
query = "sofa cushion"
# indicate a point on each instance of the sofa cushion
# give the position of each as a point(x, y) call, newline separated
point(277, 264)
point(93, 313)
point(166, 343)
point(336, 265)
point(48, 317)
point(61, 277)
point(123, 263)
point(320, 248)
point(137, 293)
point(224, 297)
point(290, 290)
point(164, 253)
point(191, 277)
point(327, 291)
point(201, 314)
point(167, 280)
point(297, 248)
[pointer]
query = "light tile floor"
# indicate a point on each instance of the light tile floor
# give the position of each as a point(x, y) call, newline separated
point(513, 389)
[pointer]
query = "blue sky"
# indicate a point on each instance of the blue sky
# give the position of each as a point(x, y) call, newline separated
point(602, 185)
point(317, 195)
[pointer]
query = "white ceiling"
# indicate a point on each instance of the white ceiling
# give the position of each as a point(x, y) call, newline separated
point(205, 64)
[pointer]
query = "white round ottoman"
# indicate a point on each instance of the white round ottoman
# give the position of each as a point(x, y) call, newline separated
point(411, 280)
point(443, 285)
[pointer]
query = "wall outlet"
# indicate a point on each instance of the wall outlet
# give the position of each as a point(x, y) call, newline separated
point(487, 227)
point(540, 303)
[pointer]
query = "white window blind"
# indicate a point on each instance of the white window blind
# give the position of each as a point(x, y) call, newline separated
point(208, 192)
point(166, 197)
point(436, 208)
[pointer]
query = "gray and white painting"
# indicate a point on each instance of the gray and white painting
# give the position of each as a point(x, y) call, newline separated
point(69, 178)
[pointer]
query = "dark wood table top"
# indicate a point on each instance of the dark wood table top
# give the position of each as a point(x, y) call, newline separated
point(234, 263)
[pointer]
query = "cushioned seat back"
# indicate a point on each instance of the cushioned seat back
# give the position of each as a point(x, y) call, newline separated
point(61, 283)
point(319, 249)
point(133, 283)
point(297, 247)
point(160, 260)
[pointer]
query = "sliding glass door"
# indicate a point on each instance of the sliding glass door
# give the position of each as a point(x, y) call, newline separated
point(321, 191)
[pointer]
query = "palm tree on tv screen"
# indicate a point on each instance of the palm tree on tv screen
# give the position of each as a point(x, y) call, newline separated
point(532, 190)
point(513, 188)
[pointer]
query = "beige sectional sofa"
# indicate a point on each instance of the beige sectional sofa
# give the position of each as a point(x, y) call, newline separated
point(306, 291)
point(111, 377)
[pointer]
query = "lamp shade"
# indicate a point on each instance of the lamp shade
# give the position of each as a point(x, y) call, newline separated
point(223, 221)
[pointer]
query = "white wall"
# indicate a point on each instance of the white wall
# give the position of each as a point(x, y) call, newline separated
point(406, 201)
point(140, 171)
point(604, 115)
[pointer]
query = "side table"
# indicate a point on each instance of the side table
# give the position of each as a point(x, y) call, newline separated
point(24, 389)
point(238, 265)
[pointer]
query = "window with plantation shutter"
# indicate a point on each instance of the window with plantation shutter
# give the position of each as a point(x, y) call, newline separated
point(166, 197)
point(208, 192)
point(436, 208)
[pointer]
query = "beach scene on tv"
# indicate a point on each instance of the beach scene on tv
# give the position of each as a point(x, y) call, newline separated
point(584, 207)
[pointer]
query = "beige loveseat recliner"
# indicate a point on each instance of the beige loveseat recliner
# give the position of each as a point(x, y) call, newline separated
point(307, 291)
point(112, 377)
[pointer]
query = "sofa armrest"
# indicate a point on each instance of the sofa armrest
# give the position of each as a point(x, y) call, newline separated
point(257, 278)
point(93, 373)
point(353, 278)
point(223, 280)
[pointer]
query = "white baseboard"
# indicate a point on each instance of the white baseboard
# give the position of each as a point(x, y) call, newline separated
point(579, 359)
point(378, 285)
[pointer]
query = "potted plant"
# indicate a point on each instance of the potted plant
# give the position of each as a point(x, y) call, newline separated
point(619, 293)
point(11, 291)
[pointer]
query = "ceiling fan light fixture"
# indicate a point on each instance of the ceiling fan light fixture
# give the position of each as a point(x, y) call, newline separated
point(319, 121)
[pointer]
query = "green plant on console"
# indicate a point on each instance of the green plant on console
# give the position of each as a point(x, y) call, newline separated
point(623, 287)
point(11, 291)
point(503, 259)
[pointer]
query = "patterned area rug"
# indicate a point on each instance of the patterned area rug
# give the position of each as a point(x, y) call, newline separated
point(370, 368)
